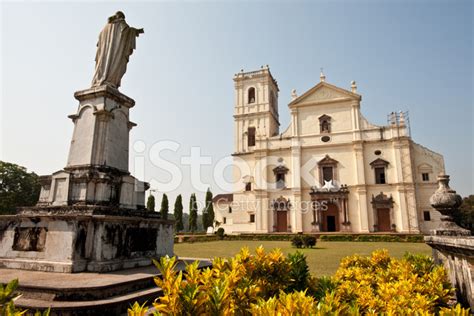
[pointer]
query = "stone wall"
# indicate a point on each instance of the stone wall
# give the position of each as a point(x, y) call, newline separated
point(85, 239)
point(457, 256)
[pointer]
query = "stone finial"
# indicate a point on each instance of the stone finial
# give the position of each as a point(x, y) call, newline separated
point(401, 118)
point(353, 86)
point(393, 118)
point(446, 201)
point(322, 76)
point(293, 94)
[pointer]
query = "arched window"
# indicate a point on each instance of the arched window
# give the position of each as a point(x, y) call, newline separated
point(325, 124)
point(251, 95)
point(379, 165)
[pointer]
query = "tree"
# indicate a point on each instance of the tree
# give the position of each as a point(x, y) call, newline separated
point(208, 211)
point(192, 213)
point(178, 213)
point(465, 215)
point(204, 219)
point(17, 187)
point(150, 203)
point(164, 210)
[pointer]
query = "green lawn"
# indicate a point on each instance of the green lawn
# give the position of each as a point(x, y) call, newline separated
point(322, 260)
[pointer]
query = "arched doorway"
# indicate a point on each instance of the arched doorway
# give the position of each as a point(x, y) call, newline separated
point(330, 218)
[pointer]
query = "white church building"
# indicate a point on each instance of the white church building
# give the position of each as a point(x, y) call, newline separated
point(330, 171)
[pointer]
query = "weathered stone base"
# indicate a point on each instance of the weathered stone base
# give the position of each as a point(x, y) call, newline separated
point(87, 238)
point(457, 256)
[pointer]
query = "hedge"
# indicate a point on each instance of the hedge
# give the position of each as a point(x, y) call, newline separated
point(373, 238)
point(289, 237)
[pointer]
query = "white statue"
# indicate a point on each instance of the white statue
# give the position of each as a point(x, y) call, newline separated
point(116, 44)
point(329, 186)
point(293, 94)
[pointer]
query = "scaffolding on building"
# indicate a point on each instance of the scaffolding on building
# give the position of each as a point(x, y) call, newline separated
point(400, 119)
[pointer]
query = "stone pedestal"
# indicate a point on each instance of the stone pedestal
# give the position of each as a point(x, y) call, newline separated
point(97, 169)
point(76, 239)
point(90, 216)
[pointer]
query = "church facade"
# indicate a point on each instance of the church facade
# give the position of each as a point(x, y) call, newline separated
point(330, 171)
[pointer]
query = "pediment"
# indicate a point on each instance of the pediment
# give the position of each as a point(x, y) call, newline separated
point(379, 162)
point(327, 161)
point(324, 92)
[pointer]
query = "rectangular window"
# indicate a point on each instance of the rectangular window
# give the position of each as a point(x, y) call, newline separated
point(425, 176)
point(327, 174)
point(426, 216)
point(251, 136)
point(248, 186)
point(252, 218)
point(380, 175)
point(224, 220)
point(230, 209)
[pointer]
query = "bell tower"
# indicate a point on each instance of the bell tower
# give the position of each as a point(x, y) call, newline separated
point(255, 108)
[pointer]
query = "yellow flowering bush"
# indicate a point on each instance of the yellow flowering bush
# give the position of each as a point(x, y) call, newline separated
point(229, 288)
point(381, 284)
point(270, 284)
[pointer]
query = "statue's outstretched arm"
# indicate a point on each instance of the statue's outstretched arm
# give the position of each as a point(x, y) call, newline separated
point(138, 31)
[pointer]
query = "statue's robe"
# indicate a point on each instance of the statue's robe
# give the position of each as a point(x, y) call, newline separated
point(116, 44)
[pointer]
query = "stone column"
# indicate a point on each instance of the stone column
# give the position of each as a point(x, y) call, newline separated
point(361, 187)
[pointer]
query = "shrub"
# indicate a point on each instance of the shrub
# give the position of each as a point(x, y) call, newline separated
point(269, 283)
point(220, 233)
point(138, 310)
point(390, 286)
point(230, 285)
point(309, 241)
point(373, 238)
point(337, 237)
point(415, 238)
point(7, 295)
point(297, 241)
point(296, 303)
point(385, 238)
point(299, 272)
point(321, 286)
point(421, 264)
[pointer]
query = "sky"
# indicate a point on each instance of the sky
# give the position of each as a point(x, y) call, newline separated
point(414, 56)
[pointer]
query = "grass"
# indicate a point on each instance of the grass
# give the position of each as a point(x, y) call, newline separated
point(322, 260)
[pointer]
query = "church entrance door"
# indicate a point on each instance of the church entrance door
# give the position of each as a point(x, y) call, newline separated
point(331, 219)
point(383, 218)
point(282, 224)
point(331, 223)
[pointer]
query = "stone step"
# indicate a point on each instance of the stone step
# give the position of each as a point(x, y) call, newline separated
point(116, 305)
point(88, 293)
